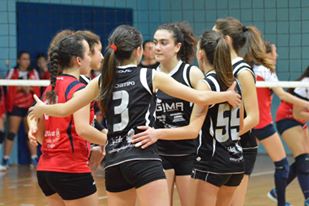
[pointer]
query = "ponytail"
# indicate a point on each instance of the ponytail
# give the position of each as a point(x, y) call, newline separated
point(186, 52)
point(218, 55)
point(61, 52)
point(108, 77)
point(51, 96)
point(255, 50)
point(222, 63)
point(122, 42)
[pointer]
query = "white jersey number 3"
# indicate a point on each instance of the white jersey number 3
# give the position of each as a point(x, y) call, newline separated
point(121, 109)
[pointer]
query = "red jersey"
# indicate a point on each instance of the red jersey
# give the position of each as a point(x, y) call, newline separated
point(62, 149)
point(264, 95)
point(285, 110)
point(21, 96)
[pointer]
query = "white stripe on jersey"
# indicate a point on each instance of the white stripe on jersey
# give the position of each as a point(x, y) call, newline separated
point(210, 106)
point(85, 78)
point(199, 141)
point(143, 78)
point(147, 116)
point(212, 133)
point(184, 74)
point(213, 147)
point(215, 83)
point(242, 66)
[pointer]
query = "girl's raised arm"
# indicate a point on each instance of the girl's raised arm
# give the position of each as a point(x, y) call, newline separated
point(171, 87)
point(80, 99)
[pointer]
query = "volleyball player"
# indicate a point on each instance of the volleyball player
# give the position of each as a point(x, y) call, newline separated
point(290, 128)
point(19, 99)
point(265, 131)
point(63, 172)
point(174, 50)
point(95, 46)
point(242, 41)
point(291, 124)
point(126, 92)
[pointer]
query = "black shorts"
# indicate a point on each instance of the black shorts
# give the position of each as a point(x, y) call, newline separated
point(264, 132)
point(18, 111)
point(231, 180)
point(249, 159)
point(69, 186)
point(182, 165)
point(286, 124)
point(132, 174)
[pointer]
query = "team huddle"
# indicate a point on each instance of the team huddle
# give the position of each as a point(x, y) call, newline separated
point(168, 123)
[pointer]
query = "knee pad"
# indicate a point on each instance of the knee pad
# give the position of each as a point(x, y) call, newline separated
point(282, 168)
point(2, 136)
point(11, 136)
point(302, 164)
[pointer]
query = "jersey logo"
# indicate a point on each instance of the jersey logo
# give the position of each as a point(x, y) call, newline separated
point(169, 107)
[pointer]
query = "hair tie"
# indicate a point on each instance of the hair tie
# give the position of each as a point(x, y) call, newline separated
point(244, 29)
point(113, 47)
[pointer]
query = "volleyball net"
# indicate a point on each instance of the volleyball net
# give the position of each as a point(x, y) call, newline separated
point(44, 83)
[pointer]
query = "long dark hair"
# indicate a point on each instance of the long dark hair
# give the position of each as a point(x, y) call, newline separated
point(218, 54)
point(247, 41)
point(121, 44)
point(60, 56)
point(182, 33)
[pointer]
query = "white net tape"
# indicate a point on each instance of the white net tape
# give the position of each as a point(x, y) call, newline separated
point(9, 82)
point(284, 84)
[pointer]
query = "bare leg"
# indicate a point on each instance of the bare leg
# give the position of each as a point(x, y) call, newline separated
point(125, 198)
point(153, 194)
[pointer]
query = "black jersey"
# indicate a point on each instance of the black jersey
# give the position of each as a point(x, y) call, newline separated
point(129, 108)
point(248, 140)
point(219, 150)
point(172, 112)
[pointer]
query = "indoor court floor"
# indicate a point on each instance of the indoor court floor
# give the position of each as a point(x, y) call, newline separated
point(18, 187)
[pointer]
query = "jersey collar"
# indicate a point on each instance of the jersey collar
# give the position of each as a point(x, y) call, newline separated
point(174, 70)
point(127, 66)
point(237, 59)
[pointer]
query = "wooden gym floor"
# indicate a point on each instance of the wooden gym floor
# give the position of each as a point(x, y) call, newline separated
point(18, 187)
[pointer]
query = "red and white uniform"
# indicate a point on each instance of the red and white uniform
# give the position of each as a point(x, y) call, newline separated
point(264, 95)
point(62, 149)
point(285, 110)
point(21, 96)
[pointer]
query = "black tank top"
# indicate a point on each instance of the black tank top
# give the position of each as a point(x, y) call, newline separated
point(248, 140)
point(172, 112)
point(128, 109)
point(219, 150)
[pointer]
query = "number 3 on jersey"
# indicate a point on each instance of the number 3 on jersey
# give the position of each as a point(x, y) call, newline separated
point(227, 120)
point(121, 109)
